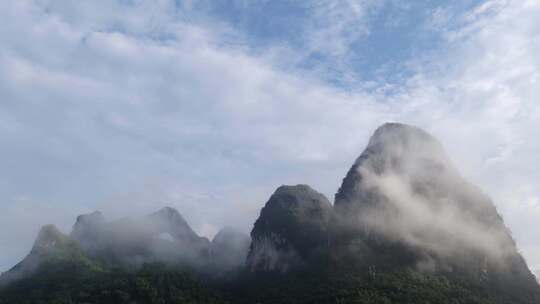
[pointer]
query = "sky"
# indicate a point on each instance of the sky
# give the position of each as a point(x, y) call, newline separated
point(125, 106)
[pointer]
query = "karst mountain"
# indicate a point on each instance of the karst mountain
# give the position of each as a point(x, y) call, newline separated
point(404, 227)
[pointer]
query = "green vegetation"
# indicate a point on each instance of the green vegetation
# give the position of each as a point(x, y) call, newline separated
point(395, 287)
point(75, 283)
point(70, 282)
point(69, 253)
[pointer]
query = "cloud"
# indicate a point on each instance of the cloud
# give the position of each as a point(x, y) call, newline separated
point(99, 100)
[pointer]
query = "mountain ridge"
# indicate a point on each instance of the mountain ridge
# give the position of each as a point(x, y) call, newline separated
point(403, 216)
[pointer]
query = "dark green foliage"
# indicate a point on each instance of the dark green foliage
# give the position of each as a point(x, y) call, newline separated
point(70, 283)
point(395, 287)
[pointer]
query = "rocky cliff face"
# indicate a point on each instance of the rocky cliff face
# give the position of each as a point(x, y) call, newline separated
point(291, 229)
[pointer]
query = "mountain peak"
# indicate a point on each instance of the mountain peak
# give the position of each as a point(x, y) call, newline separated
point(89, 220)
point(397, 140)
point(291, 229)
point(50, 245)
point(168, 220)
point(95, 216)
point(395, 148)
point(399, 128)
point(87, 230)
point(298, 187)
point(404, 224)
point(403, 190)
point(170, 215)
point(296, 193)
point(49, 237)
point(168, 210)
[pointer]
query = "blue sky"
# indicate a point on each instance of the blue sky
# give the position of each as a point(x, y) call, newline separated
point(126, 106)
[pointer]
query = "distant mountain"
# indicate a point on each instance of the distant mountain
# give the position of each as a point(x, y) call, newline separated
point(163, 236)
point(51, 246)
point(405, 228)
point(229, 249)
point(169, 221)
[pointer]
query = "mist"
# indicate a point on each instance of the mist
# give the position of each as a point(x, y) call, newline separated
point(163, 236)
point(436, 224)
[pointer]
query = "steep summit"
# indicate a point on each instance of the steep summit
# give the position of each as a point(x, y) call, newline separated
point(88, 222)
point(396, 148)
point(88, 231)
point(291, 229)
point(403, 192)
point(48, 239)
point(50, 246)
point(169, 221)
